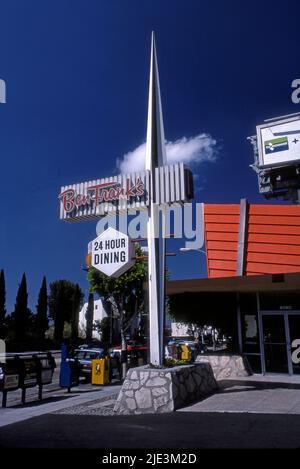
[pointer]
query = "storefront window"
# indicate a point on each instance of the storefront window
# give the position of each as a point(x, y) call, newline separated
point(250, 332)
point(279, 301)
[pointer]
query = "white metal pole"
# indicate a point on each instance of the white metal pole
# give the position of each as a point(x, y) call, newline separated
point(155, 157)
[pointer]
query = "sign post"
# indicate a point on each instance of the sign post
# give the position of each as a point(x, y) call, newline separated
point(154, 189)
point(155, 157)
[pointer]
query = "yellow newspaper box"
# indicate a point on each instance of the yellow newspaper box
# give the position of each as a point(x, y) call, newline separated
point(100, 371)
point(185, 352)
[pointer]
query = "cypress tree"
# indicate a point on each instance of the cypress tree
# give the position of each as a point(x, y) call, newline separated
point(42, 311)
point(64, 303)
point(2, 304)
point(21, 314)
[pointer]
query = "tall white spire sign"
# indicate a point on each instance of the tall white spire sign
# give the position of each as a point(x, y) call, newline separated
point(155, 157)
point(154, 189)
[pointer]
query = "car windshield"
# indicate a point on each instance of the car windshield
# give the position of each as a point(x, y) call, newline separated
point(92, 355)
point(80, 355)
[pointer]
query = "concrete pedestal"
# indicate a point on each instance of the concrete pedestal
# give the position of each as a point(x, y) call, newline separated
point(148, 391)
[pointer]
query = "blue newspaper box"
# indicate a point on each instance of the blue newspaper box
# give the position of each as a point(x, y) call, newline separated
point(69, 375)
point(69, 370)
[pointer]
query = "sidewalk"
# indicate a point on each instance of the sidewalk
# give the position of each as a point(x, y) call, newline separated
point(253, 394)
point(60, 401)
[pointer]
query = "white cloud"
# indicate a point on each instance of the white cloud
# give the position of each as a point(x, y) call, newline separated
point(133, 160)
point(192, 150)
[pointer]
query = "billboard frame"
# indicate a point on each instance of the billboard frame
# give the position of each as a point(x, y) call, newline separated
point(269, 123)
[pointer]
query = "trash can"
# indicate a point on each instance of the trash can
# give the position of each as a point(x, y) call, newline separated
point(100, 371)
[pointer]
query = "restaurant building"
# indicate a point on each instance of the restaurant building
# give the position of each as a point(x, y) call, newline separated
point(253, 284)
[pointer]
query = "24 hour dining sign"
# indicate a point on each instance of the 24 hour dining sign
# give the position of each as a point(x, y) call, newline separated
point(112, 253)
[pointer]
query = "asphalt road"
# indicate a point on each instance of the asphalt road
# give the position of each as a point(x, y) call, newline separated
point(182, 430)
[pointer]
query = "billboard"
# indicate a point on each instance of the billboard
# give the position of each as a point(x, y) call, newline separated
point(278, 142)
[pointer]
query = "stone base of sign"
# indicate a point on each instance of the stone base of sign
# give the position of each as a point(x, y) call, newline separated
point(149, 391)
point(226, 366)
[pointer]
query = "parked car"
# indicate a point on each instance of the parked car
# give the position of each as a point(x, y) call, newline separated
point(84, 357)
point(136, 353)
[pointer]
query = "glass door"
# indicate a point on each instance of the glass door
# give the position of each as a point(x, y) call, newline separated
point(275, 343)
point(294, 341)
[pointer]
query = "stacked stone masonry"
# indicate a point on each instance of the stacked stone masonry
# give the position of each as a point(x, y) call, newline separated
point(226, 366)
point(147, 390)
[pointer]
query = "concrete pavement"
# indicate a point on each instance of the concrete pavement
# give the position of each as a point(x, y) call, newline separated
point(254, 394)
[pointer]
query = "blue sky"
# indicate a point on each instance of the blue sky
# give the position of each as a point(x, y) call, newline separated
point(77, 78)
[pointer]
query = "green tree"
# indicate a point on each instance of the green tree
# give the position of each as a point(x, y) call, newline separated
point(2, 304)
point(124, 294)
point(63, 304)
point(89, 316)
point(22, 316)
point(42, 311)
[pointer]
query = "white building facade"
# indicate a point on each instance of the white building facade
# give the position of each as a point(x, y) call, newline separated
point(99, 314)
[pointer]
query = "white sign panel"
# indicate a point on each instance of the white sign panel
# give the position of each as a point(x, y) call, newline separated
point(112, 253)
point(279, 142)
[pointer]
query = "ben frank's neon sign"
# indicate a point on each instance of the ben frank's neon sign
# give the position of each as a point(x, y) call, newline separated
point(118, 194)
point(105, 192)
